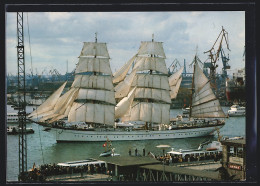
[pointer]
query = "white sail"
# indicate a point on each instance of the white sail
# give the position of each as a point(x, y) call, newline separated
point(49, 104)
point(62, 115)
point(94, 49)
point(149, 112)
point(98, 95)
point(93, 82)
point(93, 113)
point(173, 79)
point(204, 102)
point(151, 47)
point(86, 64)
point(150, 63)
point(95, 101)
point(122, 89)
point(124, 104)
point(151, 81)
point(61, 105)
point(155, 94)
point(121, 73)
point(151, 102)
point(175, 89)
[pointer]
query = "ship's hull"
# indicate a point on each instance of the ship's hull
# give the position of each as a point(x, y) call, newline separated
point(69, 135)
point(235, 92)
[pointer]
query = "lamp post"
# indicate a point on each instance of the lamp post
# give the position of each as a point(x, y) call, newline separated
point(163, 147)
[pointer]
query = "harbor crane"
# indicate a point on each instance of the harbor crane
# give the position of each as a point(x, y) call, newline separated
point(174, 66)
point(21, 98)
point(214, 56)
point(55, 74)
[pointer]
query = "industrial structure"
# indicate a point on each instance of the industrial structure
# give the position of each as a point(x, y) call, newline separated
point(214, 55)
point(21, 97)
point(234, 157)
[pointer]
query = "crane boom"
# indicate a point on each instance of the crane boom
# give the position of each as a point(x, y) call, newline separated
point(214, 56)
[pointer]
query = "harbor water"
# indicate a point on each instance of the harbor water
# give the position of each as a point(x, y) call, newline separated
point(42, 147)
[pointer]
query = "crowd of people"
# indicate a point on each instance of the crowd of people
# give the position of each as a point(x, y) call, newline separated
point(167, 158)
point(43, 171)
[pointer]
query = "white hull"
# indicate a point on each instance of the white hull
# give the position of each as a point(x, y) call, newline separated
point(237, 111)
point(236, 114)
point(68, 135)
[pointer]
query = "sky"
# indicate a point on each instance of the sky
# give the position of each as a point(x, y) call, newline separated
point(53, 39)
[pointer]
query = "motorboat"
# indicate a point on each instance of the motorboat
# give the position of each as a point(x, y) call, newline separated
point(18, 130)
point(186, 110)
point(206, 150)
point(236, 110)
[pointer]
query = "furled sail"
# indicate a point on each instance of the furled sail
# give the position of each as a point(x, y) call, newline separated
point(49, 104)
point(124, 104)
point(175, 82)
point(122, 89)
point(121, 73)
point(204, 102)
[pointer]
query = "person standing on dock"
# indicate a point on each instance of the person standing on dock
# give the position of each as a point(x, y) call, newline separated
point(143, 152)
point(136, 152)
point(129, 152)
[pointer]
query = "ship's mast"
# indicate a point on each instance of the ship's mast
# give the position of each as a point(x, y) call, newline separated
point(192, 84)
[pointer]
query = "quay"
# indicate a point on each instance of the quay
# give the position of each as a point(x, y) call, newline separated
point(78, 177)
point(145, 168)
point(172, 173)
point(129, 168)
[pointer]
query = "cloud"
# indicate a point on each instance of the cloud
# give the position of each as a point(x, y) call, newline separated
point(58, 16)
point(196, 13)
point(58, 36)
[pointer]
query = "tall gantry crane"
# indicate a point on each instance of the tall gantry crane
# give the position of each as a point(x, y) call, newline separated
point(214, 56)
point(21, 98)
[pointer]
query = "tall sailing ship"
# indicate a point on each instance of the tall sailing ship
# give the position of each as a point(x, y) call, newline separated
point(143, 100)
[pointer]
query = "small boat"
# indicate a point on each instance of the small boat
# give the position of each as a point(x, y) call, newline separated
point(204, 149)
point(17, 130)
point(79, 163)
point(47, 129)
point(186, 110)
point(236, 110)
point(110, 151)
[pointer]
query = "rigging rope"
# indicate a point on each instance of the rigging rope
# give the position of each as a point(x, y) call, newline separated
point(29, 43)
point(32, 78)
point(41, 144)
